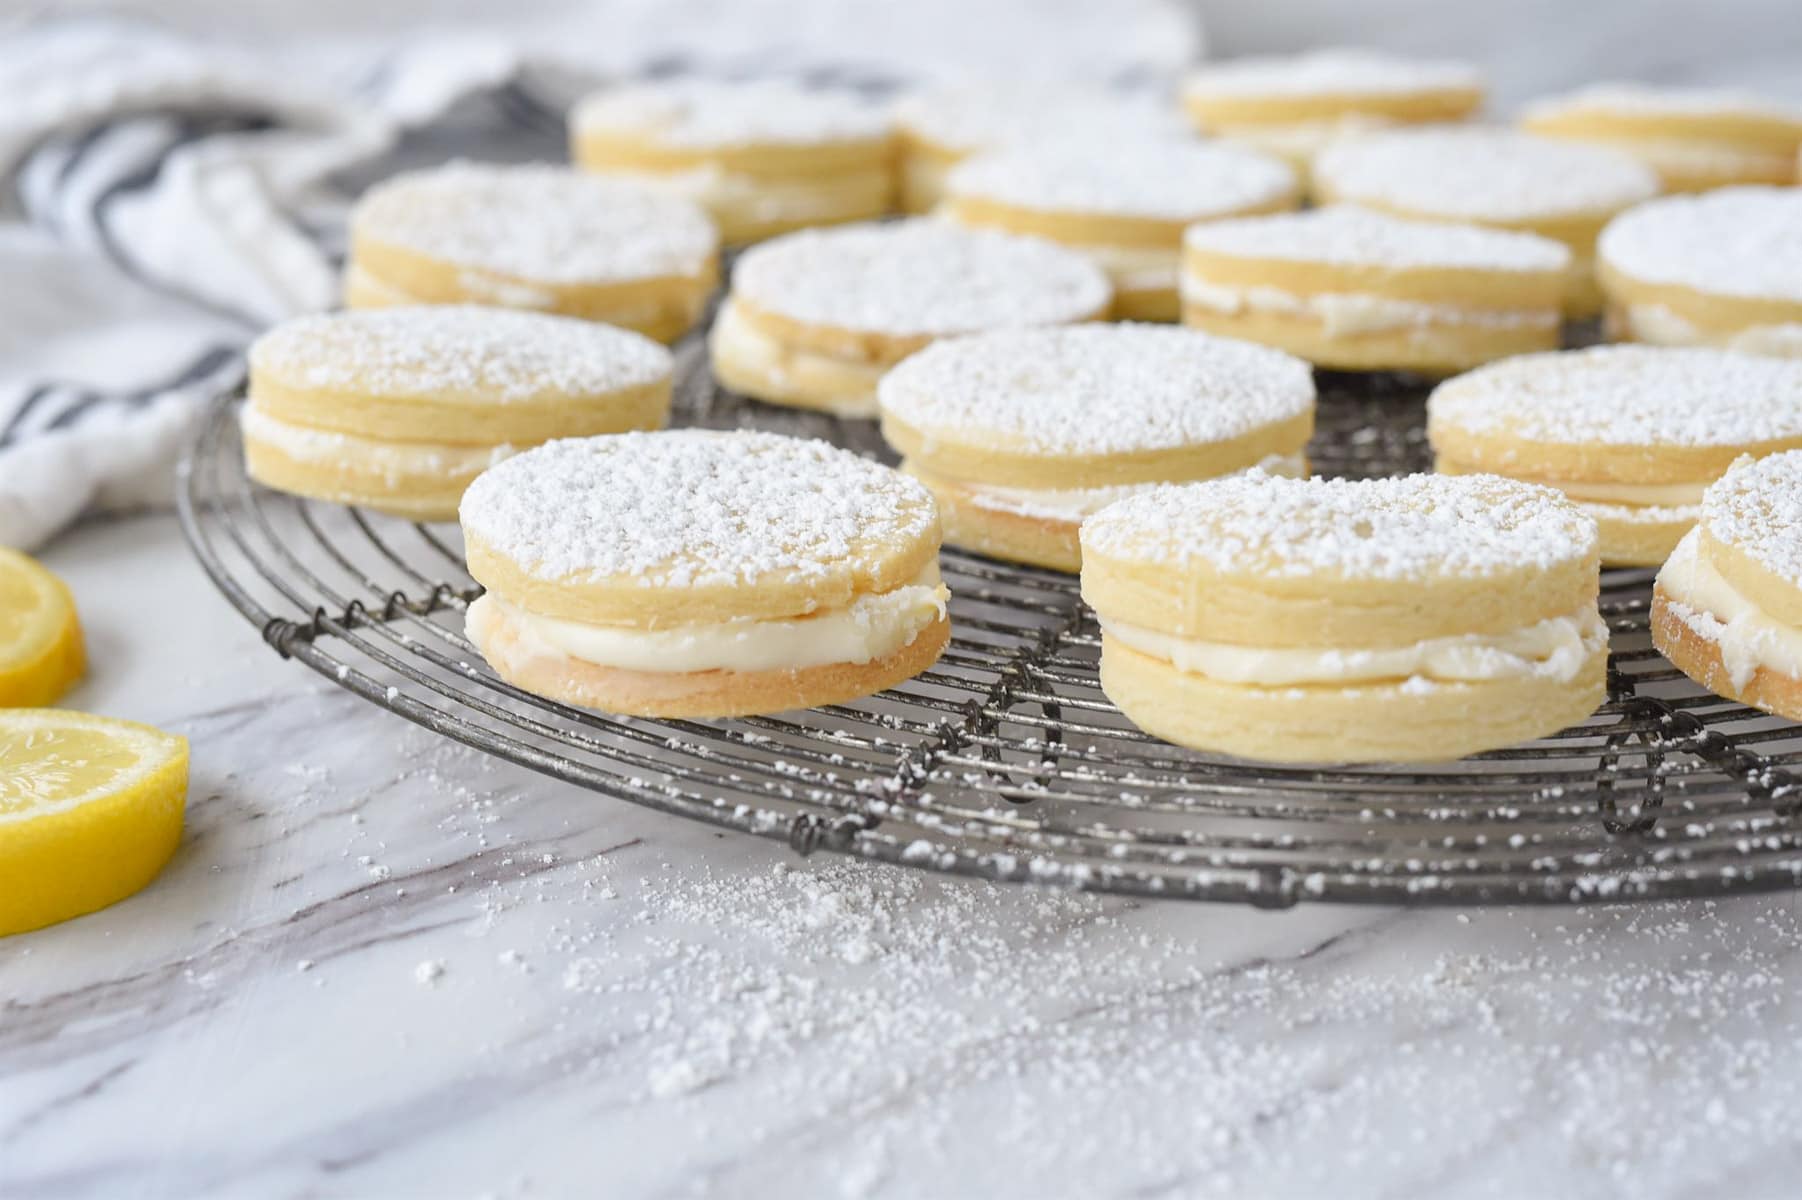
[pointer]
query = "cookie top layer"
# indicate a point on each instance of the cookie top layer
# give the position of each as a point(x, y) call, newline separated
point(1333, 72)
point(454, 354)
point(1744, 242)
point(966, 119)
point(1171, 180)
point(1481, 174)
point(1755, 509)
point(1345, 235)
point(1640, 100)
point(662, 528)
point(918, 277)
point(1417, 528)
point(536, 222)
point(702, 115)
point(1629, 396)
point(1094, 390)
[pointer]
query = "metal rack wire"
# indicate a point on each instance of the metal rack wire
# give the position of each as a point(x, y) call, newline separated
point(1006, 761)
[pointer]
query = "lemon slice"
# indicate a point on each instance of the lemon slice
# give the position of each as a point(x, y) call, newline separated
point(90, 810)
point(41, 654)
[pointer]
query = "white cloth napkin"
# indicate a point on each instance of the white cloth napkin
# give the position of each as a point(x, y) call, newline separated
point(172, 196)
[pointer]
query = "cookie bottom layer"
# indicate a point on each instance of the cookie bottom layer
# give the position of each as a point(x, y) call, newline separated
point(694, 694)
point(1698, 655)
point(1412, 721)
point(752, 363)
point(1429, 347)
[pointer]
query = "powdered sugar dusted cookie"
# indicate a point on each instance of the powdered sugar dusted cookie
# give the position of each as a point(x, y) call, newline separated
point(762, 158)
point(1720, 269)
point(1412, 619)
point(1125, 204)
point(1295, 105)
point(1694, 138)
point(703, 574)
point(1496, 177)
point(1349, 288)
point(815, 318)
point(399, 409)
point(1632, 434)
point(535, 237)
point(1727, 607)
point(1023, 433)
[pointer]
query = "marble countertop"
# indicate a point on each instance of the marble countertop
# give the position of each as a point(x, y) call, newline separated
point(382, 965)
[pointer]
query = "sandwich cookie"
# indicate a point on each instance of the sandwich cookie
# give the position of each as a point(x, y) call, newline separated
point(1310, 620)
point(761, 158)
point(940, 128)
point(1694, 138)
point(814, 318)
point(1124, 204)
point(1348, 288)
point(1495, 177)
point(1023, 433)
point(1295, 105)
point(538, 237)
point(400, 409)
point(703, 574)
point(1720, 269)
point(1632, 434)
point(1727, 606)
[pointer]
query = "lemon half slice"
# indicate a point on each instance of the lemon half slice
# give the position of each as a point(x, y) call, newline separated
point(41, 653)
point(90, 811)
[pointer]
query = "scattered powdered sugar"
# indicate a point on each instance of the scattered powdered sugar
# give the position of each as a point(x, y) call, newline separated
point(537, 222)
point(689, 114)
point(1756, 507)
point(1649, 100)
point(1628, 396)
point(1165, 180)
point(966, 118)
point(456, 353)
point(1096, 389)
point(1335, 72)
point(1742, 241)
point(691, 507)
point(1481, 174)
point(1351, 236)
point(1412, 527)
point(919, 277)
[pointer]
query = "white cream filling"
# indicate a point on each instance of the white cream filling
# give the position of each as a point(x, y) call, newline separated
point(735, 338)
point(1553, 649)
point(1658, 325)
point(1650, 495)
point(756, 197)
point(1137, 268)
point(393, 460)
point(1073, 504)
point(871, 627)
point(1300, 141)
point(1346, 313)
point(1702, 598)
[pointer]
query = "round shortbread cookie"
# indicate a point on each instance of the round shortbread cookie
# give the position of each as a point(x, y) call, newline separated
point(941, 127)
point(1727, 607)
point(459, 374)
point(1486, 176)
point(1417, 618)
point(1125, 204)
point(1633, 434)
point(659, 529)
point(1351, 288)
point(814, 318)
point(762, 158)
point(1694, 138)
point(537, 237)
point(1264, 560)
point(1723, 268)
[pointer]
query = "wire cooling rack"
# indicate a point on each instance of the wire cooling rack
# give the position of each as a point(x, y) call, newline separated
point(1007, 761)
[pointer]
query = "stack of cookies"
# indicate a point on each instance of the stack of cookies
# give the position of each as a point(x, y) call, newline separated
point(509, 374)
